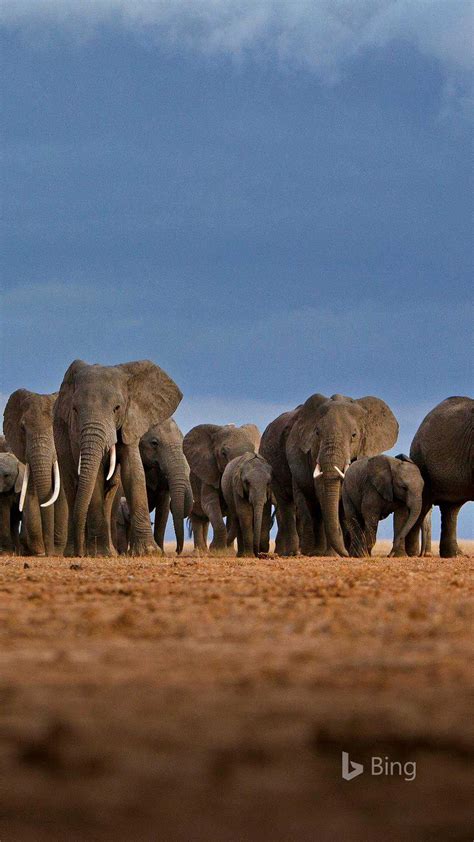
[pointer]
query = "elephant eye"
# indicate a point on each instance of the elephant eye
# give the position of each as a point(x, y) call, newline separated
point(116, 408)
point(155, 442)
point(354, 434)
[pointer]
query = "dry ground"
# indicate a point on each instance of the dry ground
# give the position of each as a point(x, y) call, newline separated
point(211, 700)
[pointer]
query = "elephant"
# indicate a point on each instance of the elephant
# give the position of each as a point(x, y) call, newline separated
point(443, 449)
point(309, 449)
point(373, 488)
point(167, 479)
point(208, 449)
point(99, 417)
point(247, 491)
point(28, 425)
point(11, 482)
point(122, 525)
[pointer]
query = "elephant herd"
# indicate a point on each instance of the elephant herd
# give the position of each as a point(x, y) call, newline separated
point(81, 470)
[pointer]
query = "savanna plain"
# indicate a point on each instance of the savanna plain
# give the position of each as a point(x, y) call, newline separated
point(210, 699)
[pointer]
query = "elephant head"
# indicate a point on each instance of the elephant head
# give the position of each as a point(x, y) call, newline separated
point(11, 473)
point(100, 406)
point(330, 433)
point(28, 423)
point(210, 447)
point(161, 448)
point(400, 480)
point(252, 480)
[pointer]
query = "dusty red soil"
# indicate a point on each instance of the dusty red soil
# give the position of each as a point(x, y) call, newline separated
point(211, 700)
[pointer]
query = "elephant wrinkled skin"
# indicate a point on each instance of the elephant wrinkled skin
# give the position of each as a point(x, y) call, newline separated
point(208, 449)
point(247, 491)
point(99, 417)
point(309, 450)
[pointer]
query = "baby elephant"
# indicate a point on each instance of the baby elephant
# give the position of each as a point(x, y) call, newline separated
point(11, 480)
point(375, 487)
point(246, 486)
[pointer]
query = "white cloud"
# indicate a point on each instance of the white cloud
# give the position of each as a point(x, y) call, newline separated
point(318, 33)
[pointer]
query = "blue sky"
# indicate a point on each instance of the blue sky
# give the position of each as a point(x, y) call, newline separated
point(267, 198)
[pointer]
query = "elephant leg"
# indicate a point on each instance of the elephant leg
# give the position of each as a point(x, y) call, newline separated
point(448, 545)
point(211, 505)
point(47, 529)
point(6, 543)
point(231, 529)
point(240, 540)
point(266, 526)
point(426, 549)
point(134, 485)
point(99, 540)
point(355, 529)
point(400, 516)
point(32, 524)
point(304, 522)
point(287, 540)
point(162, 510)
point(245, 515)
point(199, 528)
point(68, 483)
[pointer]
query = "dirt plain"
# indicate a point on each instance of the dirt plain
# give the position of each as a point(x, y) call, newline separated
point(183, 699)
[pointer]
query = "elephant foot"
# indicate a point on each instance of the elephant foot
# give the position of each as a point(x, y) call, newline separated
point(450, 549)
point(221, 552)
point(144, 546)
point(396, 552)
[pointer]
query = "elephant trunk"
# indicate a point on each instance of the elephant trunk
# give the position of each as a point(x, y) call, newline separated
point(257, 523)
point(93, 447)
point(41, 457)
point(414, 505)
point(180, 493)
point(330, 509)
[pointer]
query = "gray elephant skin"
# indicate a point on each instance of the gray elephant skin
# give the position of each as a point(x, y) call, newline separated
point(28, 425)
point(11, 481)
point(247, 491)
point(443, 449)
point(375, 487)
point(167, 479)
point(99, 417)
point(309, 449)
point(208, 449)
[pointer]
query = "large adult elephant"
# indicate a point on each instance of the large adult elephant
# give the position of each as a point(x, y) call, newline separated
point(99, 417)
point(309, 450)
point(443, 449)
point(208, 449)
point(28, 425)
point(167, 479)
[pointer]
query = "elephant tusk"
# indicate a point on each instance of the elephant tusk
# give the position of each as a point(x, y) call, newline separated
point(24, 486)
point(317, 471)
point(341, 474)
point(113, 462)
point(56, 486)
point(79, 466)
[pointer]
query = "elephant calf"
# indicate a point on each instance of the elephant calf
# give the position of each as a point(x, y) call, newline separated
point(247, 491)
point(375, 487)
point(11, 480)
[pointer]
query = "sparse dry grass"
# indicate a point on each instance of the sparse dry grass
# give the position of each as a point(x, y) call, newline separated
point(147, 699)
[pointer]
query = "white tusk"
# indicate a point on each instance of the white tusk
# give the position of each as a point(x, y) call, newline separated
point(24, 486)
point(317, 471)
point(56, 486)
point(339, 471)
point(113, 462)
point(79, 466)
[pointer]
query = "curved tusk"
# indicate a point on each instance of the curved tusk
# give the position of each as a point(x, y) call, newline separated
point(113, 462)
point(24, 486)
point(56, 487)
point(79, 466)
point(317, 471)
point(341, 474)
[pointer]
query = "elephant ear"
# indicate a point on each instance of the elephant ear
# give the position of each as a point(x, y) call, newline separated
point(62, 404)
point(19, 478)
point(380, 428)
point(198, 446)
point(152, 397)
point(253, 433)
point(380, 476)
point(306, 423)
point(14, 409)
